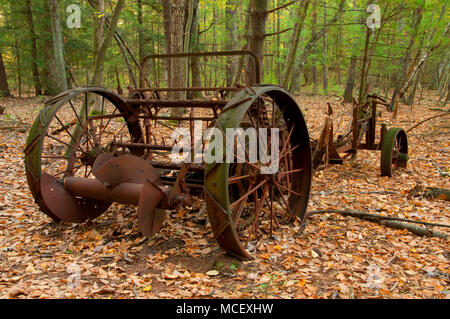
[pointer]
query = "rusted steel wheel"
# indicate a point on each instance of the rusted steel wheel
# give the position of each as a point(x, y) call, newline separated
point(242, 200)
point(64, 141)
point(394, 151)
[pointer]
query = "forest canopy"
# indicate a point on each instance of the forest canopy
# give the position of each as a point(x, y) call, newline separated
point(316, 46)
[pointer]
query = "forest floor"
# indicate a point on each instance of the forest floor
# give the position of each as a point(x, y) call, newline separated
point(335, 256)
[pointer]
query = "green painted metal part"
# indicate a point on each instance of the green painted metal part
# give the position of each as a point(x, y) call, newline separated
point(216, 174)
point(39, 128)
point(387, 151)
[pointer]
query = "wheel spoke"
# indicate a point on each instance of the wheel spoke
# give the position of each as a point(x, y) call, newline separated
point(289, 190)
point(234, 179)
point(285, 202)
point(62, 142)
point(248, 193)
point(290, 172)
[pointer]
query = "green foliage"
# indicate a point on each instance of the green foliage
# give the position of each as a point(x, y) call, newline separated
point(345, 39)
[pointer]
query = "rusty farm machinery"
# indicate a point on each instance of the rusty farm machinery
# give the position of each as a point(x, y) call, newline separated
point(393, 142)
point(90, 147)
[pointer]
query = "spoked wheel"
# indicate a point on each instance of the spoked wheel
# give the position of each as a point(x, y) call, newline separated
point(65, 140)
point(394, 152)
point(249, 197)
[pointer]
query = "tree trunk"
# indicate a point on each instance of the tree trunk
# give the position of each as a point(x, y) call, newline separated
point(256, 31)
point(313, 60)
point(140, 37)
point(96, 78)
point(309, 46)
point(298, 28)
point(413, 71)
point(348, 94)
point(98, 67)
point(364, 70)
point(325, 49)
point(192, 6)
point(99, 22)
point(19, 64)
point(406, 62)
point(4, 88)
point(57, 67)
point(34, 67)
point(195, 65)
point(174, 14)
point(230, 39)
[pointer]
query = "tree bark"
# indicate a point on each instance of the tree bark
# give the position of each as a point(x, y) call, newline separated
point(348, 94)
point(295, 83)
point(32, 34)
point(4, 88)
point(313, 60)
point(96, 78)
point(58, 70)
point(175, 16)
point(405, 64)
point(231, 39)
point(302, 11)
point(256, 31)
point(325, 51)
point(99, 22)
point(140, 19)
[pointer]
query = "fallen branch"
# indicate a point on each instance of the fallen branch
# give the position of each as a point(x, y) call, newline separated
point(428, 119)
point(439, 193)
point(392, 222)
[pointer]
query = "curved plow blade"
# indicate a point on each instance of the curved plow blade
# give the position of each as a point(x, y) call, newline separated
point(66, 206)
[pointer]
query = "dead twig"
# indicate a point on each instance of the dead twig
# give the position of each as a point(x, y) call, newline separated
point(429, 119)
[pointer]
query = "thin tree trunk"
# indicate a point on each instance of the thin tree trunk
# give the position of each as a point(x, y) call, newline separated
point(308, 47)
point(174, 14)
point(364, 70)
point(256, 31)
point(195, 65)
point(59, 75)
point(298, 28)
point(351, 74)
point(4, 88)
point(325, 49)
point(99, 62)
point(405, 65)
point(413, 72)
point(231, 39)
point(140, 37)
point(313, 60)
point(278, 64)
point(32, 33)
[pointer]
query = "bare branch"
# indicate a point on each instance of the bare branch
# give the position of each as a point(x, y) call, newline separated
point(281, 7)
point(279, 32)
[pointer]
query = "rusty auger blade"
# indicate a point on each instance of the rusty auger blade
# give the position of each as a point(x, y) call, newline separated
point(66, 206)
point(125, 169)
point(150, 219)
point(133, 169)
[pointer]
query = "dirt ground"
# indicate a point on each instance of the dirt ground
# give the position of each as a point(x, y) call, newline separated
point(335, 256)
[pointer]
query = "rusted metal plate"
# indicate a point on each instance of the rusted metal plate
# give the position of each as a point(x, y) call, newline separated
point(66, 206)
point(100, 160)
point(150, 219)
point(126, 169)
